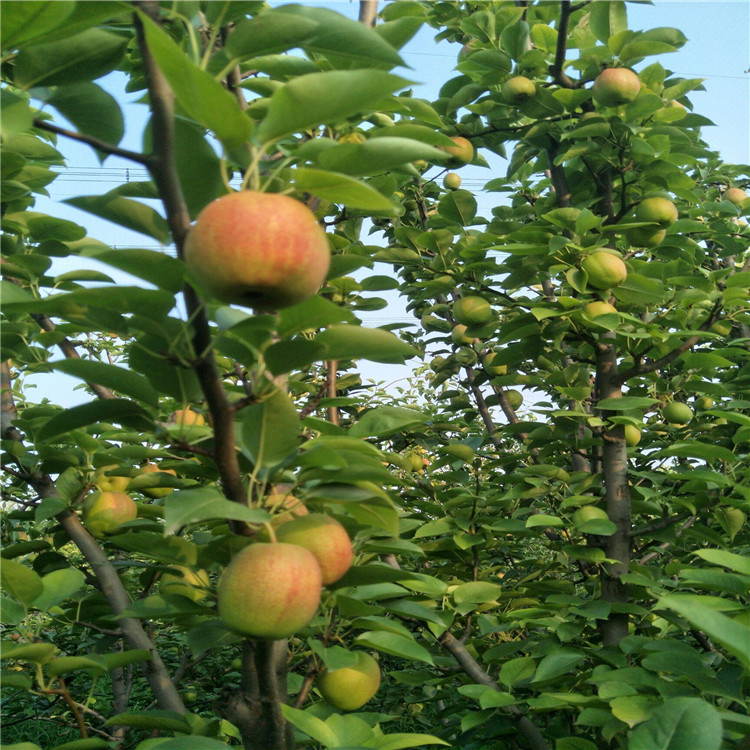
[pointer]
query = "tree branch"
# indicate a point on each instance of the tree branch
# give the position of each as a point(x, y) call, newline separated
point(96, 143)
point(556, 69)
point(368, 12)
point(472, 668)
point(163, 170)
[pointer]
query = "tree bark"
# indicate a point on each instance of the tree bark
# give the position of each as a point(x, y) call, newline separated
point(617, 496)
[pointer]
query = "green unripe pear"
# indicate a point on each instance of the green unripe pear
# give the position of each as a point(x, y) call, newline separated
point(349, 688)
point(735, 195)
point(645, 237)
point(491, 368)
point(598, 307)
point(105, 512)
point(677, 413)
point(589, 513)
point(518, 89)
point(604, 270)
point(658, 211)
point(110, 483)
point(632, 435)
point(459, 336)
point(270, 591)
point(472, 311)
point(515, 398)
point(452, 181)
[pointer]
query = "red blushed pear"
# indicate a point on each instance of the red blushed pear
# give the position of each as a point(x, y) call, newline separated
point(325, 538)
point(270, 591)
point(615, 86)
point(259, 250)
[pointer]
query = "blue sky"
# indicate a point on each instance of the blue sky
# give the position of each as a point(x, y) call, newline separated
point(718, 50)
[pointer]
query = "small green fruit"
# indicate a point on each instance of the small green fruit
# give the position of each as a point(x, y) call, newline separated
point(518, 89)
point(604, 270)
point(598, 307)
point(493, 369)
point(632, 435)
point(677, 413)
point(459, 337)
point(645, 237)
point(452, 181)
point(735, 195)
point(105, 512)
point(349, 688)
point(472, 311)
point(515, 398)
point(657, 211)
point(589, 513)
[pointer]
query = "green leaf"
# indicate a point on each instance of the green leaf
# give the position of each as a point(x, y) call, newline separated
point(515, 38)
point(59, 585)
point(184, 507)
point(310, 724)
point(39, 653)
point(120, 411)
point(268, 33)
point(341, 189)
point(626, 403)
point(476, 592)
point(323, 98)
point(26, 21)
point(557, 663)
point(358, 342)
point(117, 378)
point(20, 582)
point(91, 109)
point(385, 420)
point(731, 560)
point(169, 721)
point(377, 155)
point(271, 430)
point(82, 57)
point(193, 742)
point(640, 290)
point(125, 212)
point(90, 743)
point(395, 645)
point(115, 660)
point(204, 99)
point(344, 41)
point(64, 664)
point(694, 449)
point(677, 724)
point(198, 165)
point(734, 636)
point(607, 19)
point(517, 670)
point(314, 312)
point(17, 114)
point(155, 267)
point(400, 740)
point(459, 206)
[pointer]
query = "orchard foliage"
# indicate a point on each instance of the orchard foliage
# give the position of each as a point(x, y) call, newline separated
point(554, 511)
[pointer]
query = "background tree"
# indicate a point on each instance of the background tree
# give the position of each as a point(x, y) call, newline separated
point(549, 526)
